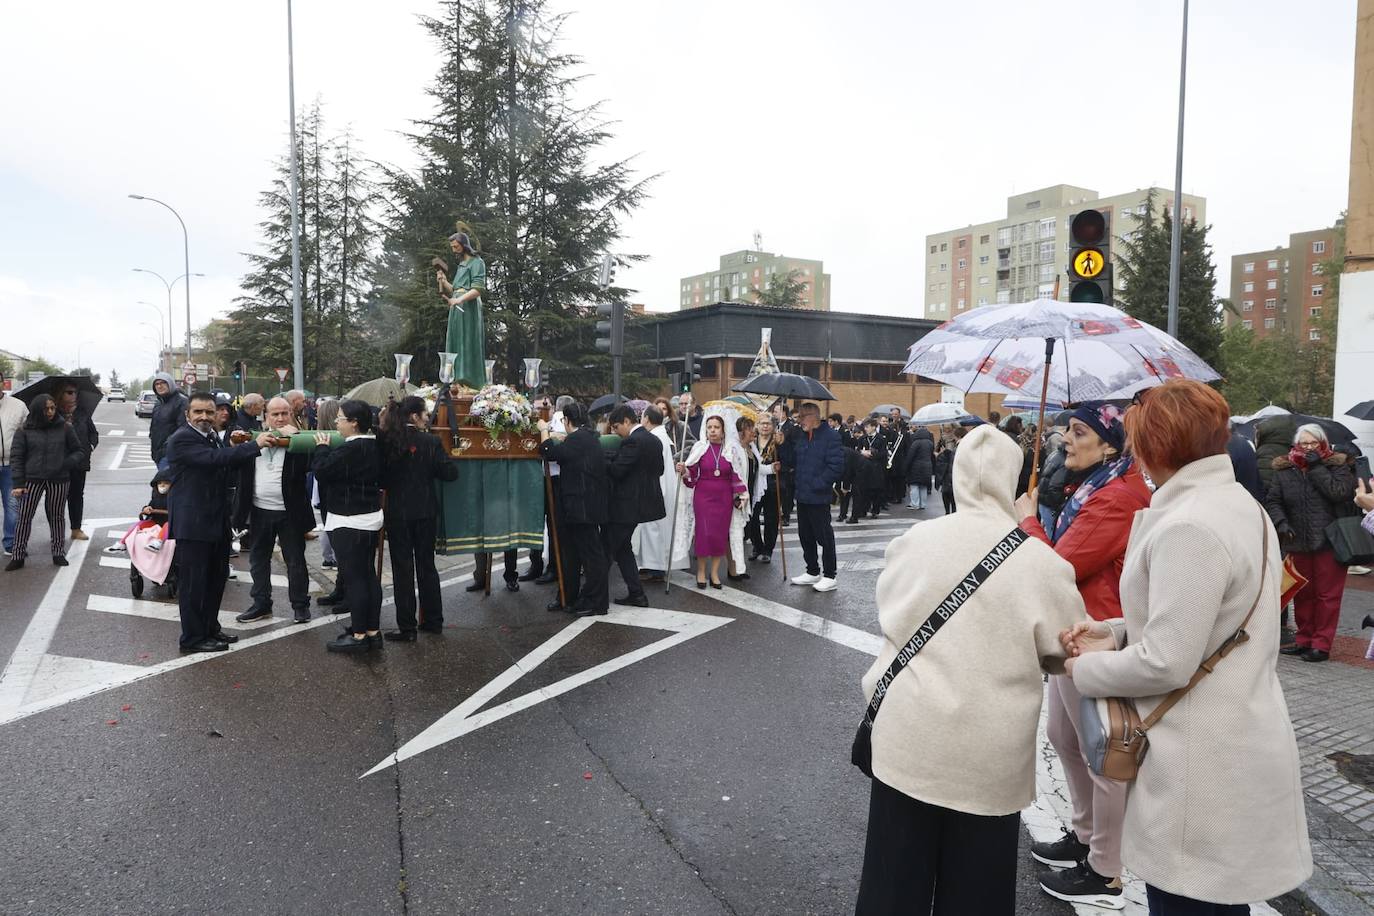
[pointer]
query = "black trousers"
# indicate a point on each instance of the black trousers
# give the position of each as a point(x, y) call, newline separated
point(947, 494)
point(896, 485)
point(764, 521)
point(867, 502)
point(202, 570)
point(357, 554)
point(813, 530)
point(918, 856)
point(271, 526)
point(620, 553)
point(509, 557)
point(412, 560)
point(585, 567)
point(1163, 903)
point(76, 497)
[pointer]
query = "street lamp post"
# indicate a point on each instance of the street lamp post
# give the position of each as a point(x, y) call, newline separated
point(1176, 240)
point(158, 326)
point(297, 342)
point(170, 338)
point(186, 259)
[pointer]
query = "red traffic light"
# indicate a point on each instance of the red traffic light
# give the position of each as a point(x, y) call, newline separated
point(1088, 227)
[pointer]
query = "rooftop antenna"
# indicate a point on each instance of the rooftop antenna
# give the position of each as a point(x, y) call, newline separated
point(758, 241)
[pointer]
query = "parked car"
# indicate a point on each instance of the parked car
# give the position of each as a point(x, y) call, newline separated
point(143, 407)
point(116, 394)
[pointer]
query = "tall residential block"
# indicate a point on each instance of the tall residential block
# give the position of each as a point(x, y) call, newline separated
point(1017, 258)
point(1283, 290)
point(742, 272)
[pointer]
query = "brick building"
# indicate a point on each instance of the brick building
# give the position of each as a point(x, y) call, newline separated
point(742, 272)
point(1283, 290)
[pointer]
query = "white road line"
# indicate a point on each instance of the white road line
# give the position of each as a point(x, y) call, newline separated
point(33, 645)
point(119, 457)
point(843, 634)
point(278, 580)
point(115, 432)
point(158, 610)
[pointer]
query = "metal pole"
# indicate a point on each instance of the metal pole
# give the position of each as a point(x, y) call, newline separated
point(186, 251)
point(297, 345)
point(1176, 241)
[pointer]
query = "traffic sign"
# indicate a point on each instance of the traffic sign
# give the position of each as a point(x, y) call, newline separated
point(189, 378)
point(1088, 263)
point(281, 375)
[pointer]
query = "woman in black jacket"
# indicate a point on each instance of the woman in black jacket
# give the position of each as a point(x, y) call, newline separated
point(412, 460)
point(352, 475)
point(1311, 486)
point(920, 467)
point(45, 451)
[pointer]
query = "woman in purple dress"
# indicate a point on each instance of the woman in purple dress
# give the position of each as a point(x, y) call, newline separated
point(711, 473)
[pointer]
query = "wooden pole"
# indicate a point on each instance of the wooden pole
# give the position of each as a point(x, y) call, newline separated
point(782, 546)
point(553, 535)
point(1040, 429)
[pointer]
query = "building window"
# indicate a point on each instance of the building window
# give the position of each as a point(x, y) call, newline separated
point(1316, 268)
point(1270, 303)
point(1317, 290)
point(982, 300)
point(710, 368)
point(1248, 324)
point(739, 368)
point(1314, 334)
point(1271, 284)
point(961, 303)
point(943, 267)
point(943, 287)
point(983, 239)
point(1273, 264)
point(1268, 322)
point(1047, 251)
point(963, 284)
point(932, 249)
point(1314, 312)
point(963, 263)
point(1249, 286)
point(1003, 296)
point(1047, 228)
point(944, 246)
point(982, 281)
point(930, 288)
point(1046, 271)
point(982, 259)
point(1319, 247)
point(1249, 267)
point(1248, 305)
point(1004, 236)
point(963, 242)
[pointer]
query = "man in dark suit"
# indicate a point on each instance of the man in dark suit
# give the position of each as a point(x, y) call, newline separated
point(582, 510)
point(198, 505)
point(636, 495)
point(274, 506)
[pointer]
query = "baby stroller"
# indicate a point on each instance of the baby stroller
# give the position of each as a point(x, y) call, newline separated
point(150, 551)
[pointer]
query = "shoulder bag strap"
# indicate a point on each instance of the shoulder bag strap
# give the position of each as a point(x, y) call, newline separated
point(1231, 642)
point(945, 610)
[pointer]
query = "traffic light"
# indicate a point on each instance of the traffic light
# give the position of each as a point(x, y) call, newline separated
point(606, 276)
point(675, 381)
point(1090, 257)
point(238, 370)
point(691, 371)
point(612, 327)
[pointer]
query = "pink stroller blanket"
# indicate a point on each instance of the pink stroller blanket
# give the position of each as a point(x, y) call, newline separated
point(152, 564)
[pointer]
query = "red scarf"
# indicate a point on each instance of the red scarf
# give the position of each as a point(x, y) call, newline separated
point(1300, 457)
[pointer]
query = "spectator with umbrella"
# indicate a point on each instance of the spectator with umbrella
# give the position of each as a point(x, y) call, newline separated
point(46, 450)
point(79, 418)
point(13, 413)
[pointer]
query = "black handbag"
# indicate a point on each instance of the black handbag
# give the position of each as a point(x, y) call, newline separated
point(861, 753)
point(1350, 542)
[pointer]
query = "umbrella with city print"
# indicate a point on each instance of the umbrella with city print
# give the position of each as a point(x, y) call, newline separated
point(1063, 351)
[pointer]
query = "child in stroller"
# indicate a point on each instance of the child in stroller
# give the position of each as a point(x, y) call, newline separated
point(152, 516)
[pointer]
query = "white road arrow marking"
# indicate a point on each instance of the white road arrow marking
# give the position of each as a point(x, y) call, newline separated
point(466, 718)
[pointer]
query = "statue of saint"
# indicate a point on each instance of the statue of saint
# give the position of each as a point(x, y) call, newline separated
point(463, 296)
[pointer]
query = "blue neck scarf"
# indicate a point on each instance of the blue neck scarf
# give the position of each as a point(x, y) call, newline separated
point(1105, 474)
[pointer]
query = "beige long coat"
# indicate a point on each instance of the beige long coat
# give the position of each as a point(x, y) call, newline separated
point(1216, 813)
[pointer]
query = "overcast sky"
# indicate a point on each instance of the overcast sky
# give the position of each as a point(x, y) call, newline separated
point(844, 132)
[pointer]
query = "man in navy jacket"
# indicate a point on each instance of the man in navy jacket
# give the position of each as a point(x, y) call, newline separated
point(198, 507)
point(814, 454)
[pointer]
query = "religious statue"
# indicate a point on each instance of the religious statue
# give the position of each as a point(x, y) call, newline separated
point(462, 289)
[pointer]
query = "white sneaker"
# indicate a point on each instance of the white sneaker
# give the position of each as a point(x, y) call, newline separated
point(825, 584)
point(1358, 570)
point(805, 579)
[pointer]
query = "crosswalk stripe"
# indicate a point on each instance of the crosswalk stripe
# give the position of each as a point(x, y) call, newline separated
point(158, 610)
point(115, 432)
point(278, 580)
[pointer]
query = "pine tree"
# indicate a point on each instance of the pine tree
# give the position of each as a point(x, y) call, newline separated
point(505, 151)
point(1144, 266)
point(784, 289)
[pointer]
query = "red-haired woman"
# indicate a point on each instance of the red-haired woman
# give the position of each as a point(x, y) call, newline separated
point(1090, 531)
point(1200, 558)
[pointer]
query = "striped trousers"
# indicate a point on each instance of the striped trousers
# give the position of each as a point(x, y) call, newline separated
point(54, 493)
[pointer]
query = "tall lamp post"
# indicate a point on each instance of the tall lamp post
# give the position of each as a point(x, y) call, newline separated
point(170, 338)
point(186, 258)
point(297, 341)
point(1176, 240)
point(165, 334)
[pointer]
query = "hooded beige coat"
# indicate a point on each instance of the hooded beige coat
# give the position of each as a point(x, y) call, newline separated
point(1216, 812)
point(957, 727)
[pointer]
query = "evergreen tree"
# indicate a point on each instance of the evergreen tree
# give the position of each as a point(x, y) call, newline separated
point(784, 289)
point(505, 151)
point(1144, 266)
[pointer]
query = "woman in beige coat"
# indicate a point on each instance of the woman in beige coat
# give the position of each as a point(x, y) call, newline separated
point(953, 744)
point(1215, 818)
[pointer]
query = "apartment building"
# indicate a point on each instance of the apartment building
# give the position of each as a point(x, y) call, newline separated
point(1018, 257)
point(742, 272)
point(1283, 290)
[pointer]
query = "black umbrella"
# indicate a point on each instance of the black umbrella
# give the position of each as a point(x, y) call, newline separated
point(1336, 431)
point(1362, 411)
point(88, 396)
point(605, 403)
point(786, 385)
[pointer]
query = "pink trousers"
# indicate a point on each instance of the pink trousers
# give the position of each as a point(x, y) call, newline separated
point(1099, 803)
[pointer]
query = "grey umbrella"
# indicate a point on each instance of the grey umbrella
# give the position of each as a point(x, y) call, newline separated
point(885, 409)
point(378, 391)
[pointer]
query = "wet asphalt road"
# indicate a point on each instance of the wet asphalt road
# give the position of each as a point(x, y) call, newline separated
point(707, 774)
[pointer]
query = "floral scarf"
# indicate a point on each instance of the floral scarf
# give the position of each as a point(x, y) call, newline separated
point(1099, 478)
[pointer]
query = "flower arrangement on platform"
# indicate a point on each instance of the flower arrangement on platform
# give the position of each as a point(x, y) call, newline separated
point(429, 394)
point(503, 409)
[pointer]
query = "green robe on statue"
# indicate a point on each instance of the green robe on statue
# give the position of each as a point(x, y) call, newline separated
point(466, 332)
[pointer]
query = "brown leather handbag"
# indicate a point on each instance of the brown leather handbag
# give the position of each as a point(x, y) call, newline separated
point(1115, 738)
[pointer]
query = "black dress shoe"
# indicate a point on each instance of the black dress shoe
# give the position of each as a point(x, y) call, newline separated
point(476, 587)
point(224, 637)
point(1293, 649)
point(737, 577)
point(851, 521)
point(254, 613)
point(330, 599)
point(546, 579)
point(700, 584)
point(717, 585)
point(590, 612)
point(534, 575)
point(512, 585)
point(347, 643)
point(205, 645)
point(1315, 655)
point(301, 615)
point(436, 629)
point(553, 606)
point(633, 601)
point(59, 561)
point(400, 636)
point(12, 565)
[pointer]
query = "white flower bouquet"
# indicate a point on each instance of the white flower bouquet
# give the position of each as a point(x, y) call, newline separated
point(503, 409)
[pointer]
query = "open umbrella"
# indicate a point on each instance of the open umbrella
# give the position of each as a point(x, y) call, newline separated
point(786, 385)
point(1336, 431)
point(1362, 411)
point(939, 415)
point(378, 391)
point(885, 409)
point(604, 403)
point(1269, 410)
point(1069, 351)
point(88, 396)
